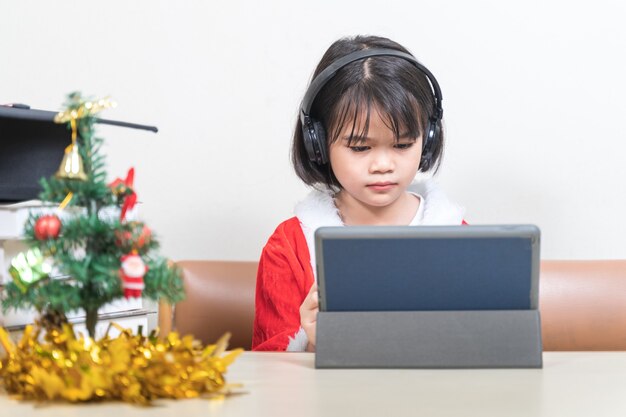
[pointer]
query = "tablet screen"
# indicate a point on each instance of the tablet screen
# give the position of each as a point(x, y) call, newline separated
point(378, 273)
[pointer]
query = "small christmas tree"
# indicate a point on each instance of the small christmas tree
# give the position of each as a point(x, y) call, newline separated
point(103, 255)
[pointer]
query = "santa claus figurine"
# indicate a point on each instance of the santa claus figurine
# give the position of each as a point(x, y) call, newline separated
point(132, 272)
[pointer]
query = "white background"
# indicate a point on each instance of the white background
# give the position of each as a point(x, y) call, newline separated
point(533, 102)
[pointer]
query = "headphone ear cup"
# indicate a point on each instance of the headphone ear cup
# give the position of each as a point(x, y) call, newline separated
point(314, 137)
point(320, 134)
point(433, 133)
point(307, 137)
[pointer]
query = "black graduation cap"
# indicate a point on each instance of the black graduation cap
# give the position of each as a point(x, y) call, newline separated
point(31, 147)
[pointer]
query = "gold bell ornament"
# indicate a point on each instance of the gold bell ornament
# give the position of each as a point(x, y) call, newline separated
point(72, 164)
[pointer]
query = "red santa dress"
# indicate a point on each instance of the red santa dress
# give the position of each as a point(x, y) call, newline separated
point(285, 273)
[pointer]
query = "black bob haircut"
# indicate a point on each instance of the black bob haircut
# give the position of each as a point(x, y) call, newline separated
point(400, 91)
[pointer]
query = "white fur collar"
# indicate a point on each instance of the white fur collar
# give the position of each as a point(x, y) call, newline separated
point(318, 210)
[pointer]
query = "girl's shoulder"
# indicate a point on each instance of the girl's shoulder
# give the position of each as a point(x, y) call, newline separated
point(289, 229)
point(290, 226)
point(286, 251)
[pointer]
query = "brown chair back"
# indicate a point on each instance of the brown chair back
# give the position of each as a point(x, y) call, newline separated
point(583, 305)
point(219, 299)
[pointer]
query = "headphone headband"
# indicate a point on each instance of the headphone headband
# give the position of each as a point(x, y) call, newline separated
point(329, 72)
point(314, 134)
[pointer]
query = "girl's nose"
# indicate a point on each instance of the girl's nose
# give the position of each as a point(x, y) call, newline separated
point(382, 162)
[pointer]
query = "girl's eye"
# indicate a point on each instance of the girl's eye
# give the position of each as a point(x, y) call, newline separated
point(359, 148)
point(402, 146)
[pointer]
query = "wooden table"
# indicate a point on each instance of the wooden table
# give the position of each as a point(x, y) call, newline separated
point(590, 384)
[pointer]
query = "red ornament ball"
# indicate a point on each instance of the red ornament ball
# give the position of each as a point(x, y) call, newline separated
point(136, 238)
point(144, 237)
point(47, 227)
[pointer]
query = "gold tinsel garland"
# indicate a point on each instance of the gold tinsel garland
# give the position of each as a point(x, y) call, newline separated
point(132, 368)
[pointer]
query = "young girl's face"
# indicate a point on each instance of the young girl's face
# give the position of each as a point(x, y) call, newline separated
point(374, 171)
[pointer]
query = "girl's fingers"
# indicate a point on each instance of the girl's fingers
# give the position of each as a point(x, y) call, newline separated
point(308, 315)
point(311, 302)
point(310, 307)
point(314, 296)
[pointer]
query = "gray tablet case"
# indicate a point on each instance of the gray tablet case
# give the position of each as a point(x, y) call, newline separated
point(428, 296)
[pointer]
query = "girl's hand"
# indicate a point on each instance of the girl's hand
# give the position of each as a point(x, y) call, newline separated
point(308, 316)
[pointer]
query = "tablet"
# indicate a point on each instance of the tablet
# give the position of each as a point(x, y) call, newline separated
point(428, 268)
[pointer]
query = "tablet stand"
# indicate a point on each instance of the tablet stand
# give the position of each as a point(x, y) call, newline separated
point(429, 339)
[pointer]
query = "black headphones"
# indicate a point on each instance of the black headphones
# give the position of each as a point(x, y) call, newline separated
point(313, 131)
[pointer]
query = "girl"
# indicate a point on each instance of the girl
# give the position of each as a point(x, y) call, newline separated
point(370, 120)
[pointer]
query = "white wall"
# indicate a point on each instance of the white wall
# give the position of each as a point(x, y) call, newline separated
point(533, 98)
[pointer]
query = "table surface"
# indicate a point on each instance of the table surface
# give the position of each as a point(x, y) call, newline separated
point(283, 384)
